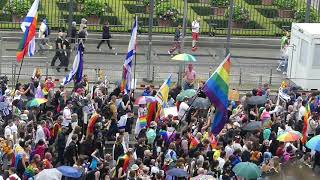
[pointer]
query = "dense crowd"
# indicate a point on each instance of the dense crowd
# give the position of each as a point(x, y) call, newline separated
point(100, 134)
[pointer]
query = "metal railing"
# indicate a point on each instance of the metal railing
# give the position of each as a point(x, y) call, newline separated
point(264, 19)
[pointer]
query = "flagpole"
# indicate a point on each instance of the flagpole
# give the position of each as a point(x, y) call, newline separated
point(20, 70)
point(134, 71)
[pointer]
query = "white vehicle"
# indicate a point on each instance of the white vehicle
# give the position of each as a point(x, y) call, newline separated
point(304, 55)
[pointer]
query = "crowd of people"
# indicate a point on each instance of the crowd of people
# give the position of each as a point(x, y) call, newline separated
point(75, 127)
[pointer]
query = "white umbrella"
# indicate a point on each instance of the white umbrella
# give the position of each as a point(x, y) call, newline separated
point(49, 174)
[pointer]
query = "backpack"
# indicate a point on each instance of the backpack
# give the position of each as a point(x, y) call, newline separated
point(106, 111)
point(67, 152)
point(120, 111)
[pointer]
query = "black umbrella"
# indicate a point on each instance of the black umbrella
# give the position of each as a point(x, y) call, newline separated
point(200, 103)
point(257, 100)
point(252, 126)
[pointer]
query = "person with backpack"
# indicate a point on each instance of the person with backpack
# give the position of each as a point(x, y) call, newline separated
point(121, 106)
point(61, 144)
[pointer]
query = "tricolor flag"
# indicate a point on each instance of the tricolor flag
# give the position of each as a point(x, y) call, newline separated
point(77, 68)
point(163, 93)
point(28, 26)
point(127, 66)
point(217, 89)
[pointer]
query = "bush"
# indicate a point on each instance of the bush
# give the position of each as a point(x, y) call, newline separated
point(156, 2)
point(220, 3)
point(300, 15)
point(240, 14)
point(18, 7)
point(166, 11)
point(285, 4)
point(93, 8)
point(80, 1)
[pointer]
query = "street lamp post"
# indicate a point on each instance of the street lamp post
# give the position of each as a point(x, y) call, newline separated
point(184, 27)
point(229, 28)
point(70, 17)
point(149, 56)
point(307, 18)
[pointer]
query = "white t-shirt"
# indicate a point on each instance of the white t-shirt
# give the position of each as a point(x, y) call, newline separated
point(66, 116)
point(40, 134)
point(195, 26)
point(183, 108)
point(229, 151)
point(8, 131)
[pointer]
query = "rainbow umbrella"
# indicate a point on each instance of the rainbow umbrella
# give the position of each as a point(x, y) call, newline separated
point(144, 100)
point(314, 143)
point(184, 57)
point(289, 136)
point(36, 102)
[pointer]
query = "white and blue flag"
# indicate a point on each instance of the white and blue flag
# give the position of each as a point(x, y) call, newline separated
point(77, 68)
point(127, 66)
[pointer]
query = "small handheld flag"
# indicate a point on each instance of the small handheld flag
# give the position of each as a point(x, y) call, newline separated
point(162, 94)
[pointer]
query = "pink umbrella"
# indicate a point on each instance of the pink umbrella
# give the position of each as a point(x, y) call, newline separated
point(145, 100)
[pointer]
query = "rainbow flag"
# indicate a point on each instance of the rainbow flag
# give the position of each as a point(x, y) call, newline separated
point(194, 143)
point(152, 110)
point(163, 93)
point(305, 123)
point(143, 121)
point(217, 89)
point(28, 26)
point(123, 161)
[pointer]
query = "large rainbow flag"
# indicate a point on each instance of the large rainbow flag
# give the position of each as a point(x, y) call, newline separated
point(27, 44)
point(217, 89)
point(305, 123)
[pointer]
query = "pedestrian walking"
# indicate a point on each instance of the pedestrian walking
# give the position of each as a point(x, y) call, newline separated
point(195, 33)
point(59, 51)
point(43, 34)
point(73, 32)
point(105, 36)
point(284, 53)
point(177, 40)
point(83, 32)
point(67, 51)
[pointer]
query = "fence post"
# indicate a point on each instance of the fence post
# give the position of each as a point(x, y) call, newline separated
point(260, 80)
point(70, 17)
point(47, 70)
point(308, 9)
point(240, 77)
point(270, 78)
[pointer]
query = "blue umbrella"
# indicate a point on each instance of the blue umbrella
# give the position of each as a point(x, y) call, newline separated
point(69, 171)
point(314, 143)
point(177, 172)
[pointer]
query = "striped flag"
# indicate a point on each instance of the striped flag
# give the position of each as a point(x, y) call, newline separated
point(306, 116)
point(77, 68)
point(127, 66)
point(163, 93)
point(28, 26)
point(217, 89)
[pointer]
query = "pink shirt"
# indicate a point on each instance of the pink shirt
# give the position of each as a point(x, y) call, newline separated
point(190, 75)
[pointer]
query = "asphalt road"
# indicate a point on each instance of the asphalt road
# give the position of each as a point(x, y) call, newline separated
point(249, 65)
